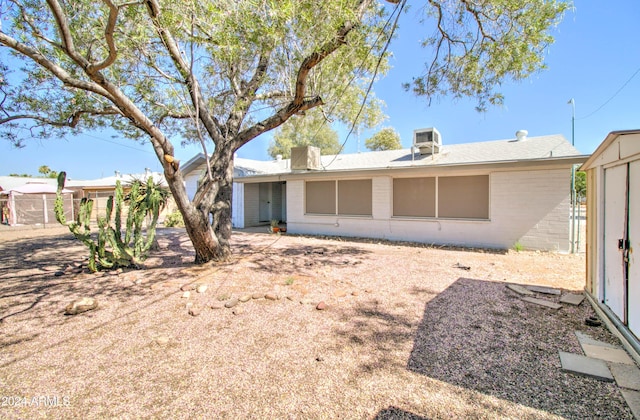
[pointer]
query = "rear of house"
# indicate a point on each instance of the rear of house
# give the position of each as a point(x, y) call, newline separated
point(488, 194)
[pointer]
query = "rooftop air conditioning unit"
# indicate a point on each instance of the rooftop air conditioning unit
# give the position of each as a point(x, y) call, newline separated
point(427, 140)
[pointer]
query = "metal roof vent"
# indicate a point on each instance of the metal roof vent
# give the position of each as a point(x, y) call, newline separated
point(427, 140)
point(521, 135)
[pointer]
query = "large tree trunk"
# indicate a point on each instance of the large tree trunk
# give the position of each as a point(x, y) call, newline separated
point(207, 217)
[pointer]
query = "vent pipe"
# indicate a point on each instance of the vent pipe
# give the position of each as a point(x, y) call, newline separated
point(521, 135)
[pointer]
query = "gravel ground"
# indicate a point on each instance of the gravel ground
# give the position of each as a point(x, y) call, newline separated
point(408, 332)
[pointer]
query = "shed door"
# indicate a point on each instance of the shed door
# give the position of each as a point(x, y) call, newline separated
point(634, 253)
point(615, 189)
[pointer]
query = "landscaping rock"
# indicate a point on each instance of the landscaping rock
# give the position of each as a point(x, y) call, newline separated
point(231, 303)
point(271, 296)
point(257, 296)
point(187, 287)
point(321, 306)
point(237, 310)
point(339, 293)
point(59, 273)
point(81, 305)
point(186, 295)
point(201, 288)
point(245, 298)
point(195, 311)
point(162, 340)
point(216, 305)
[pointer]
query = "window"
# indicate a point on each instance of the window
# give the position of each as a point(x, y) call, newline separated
point(463, 197)
point(354, 197)
point(414, 197)
point(321, 197)
point(458, 197)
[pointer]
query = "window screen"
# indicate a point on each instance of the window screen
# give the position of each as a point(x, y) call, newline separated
point(321, 197)
point(414, 197)
point(354, 197)
point(464, 197)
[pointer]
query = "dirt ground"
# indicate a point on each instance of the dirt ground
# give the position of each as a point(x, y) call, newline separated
point(408, 332)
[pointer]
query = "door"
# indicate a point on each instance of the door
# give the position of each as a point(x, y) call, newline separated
point(264, 202)
point(634, 250)
point(615, 192)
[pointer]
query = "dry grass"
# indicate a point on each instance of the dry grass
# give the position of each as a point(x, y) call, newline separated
point(407, 334)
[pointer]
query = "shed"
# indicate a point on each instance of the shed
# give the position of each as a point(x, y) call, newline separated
point(613, 231)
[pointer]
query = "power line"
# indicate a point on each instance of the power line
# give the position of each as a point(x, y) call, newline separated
point(612, 96)
point(399, 9)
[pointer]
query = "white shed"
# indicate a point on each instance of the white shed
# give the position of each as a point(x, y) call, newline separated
point(613, 231)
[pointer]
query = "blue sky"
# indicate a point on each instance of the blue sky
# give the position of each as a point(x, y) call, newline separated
point(596, 53)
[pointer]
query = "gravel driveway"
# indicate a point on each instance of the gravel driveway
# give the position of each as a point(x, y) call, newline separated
point(408, 332)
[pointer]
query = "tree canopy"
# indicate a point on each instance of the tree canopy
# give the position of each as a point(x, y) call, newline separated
point(221, 73)
point(385, 139)
point(303, 130)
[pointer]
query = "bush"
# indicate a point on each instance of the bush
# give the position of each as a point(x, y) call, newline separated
point(174, 220)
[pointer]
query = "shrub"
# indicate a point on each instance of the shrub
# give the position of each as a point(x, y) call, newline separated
point(174, 220)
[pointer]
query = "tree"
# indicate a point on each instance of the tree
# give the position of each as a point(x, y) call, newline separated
point(310, 129)
point(47, 172)
point(581, 183)
point(227, 72)
point(385, 139)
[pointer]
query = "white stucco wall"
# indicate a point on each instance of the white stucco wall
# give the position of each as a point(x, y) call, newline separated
point(529, 207)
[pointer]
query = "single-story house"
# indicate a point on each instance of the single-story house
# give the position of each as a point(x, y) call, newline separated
point(492, 194)
point(613, 231)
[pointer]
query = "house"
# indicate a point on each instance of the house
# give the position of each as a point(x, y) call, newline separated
point(613, 232)
point(488, 194)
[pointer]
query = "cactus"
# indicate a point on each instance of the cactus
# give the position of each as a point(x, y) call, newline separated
point(109, 249)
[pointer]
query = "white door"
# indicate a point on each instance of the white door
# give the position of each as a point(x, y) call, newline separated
point(634, 254)
point(615, 185)
point(264, 205)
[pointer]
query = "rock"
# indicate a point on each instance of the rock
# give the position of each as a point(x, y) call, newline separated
point(59, 273)
point(321, 306)
point(237, 310)
point(245, 298)
point(231, 303)
point(162, 340)
point(201, 288)
point(257, 296)
point(271, 296)
point(137, 281)
point(224, 297)
point(195, 311)
point(81, 305)
point(187, 287)
point(186, 295)
point(216, 305)
point(339, 293)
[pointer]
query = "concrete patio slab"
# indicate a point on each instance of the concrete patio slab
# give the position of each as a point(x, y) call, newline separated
point(545, 290)
point(542, 302)
point(520, 290)
point(584, 338)
point(608, 354)
point(572, 299)
point(585, 366)
point(626, 376)
point(633, 401)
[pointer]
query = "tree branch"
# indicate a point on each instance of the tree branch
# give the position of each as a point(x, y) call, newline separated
point(209, 121)
point(71, 121)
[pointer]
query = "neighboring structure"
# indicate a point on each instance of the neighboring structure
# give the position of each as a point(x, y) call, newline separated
point(32, 203)
point(29, 201)
point(488, 194)
point(613, 231)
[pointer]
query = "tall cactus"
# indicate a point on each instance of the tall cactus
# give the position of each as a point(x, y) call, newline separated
point(110, 249)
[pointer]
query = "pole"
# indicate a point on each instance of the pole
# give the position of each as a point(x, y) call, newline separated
point(573, 178)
